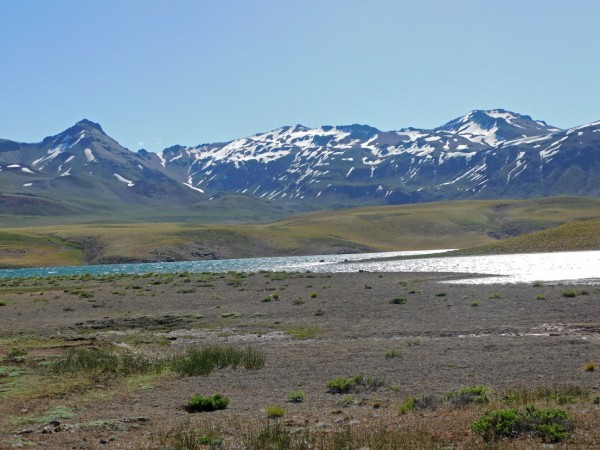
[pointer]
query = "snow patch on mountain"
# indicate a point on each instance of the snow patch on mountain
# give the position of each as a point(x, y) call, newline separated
point(89, 155)
point(124, 180)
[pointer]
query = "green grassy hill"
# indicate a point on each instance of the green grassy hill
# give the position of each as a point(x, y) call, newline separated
point(461, 224)
point(580, 235)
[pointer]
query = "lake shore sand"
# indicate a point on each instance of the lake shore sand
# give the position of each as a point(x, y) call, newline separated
point(312, 328)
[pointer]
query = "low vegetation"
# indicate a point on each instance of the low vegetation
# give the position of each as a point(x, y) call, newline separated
point(97, 362)
point(203, 360)
point(357, 383)
point(468, 395)
point(274, 412)
point(212, 403)
point(549, 424)
point(296, 397)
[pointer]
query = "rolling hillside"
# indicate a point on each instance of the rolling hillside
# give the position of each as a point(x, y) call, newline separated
point(459, 224)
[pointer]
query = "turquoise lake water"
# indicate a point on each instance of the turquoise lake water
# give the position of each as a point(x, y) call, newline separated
point(287, 263)
point(567, 267)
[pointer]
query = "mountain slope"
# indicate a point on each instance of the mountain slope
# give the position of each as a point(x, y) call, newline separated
point(84, 165)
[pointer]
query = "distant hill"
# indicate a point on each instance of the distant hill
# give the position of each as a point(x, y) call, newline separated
point(456, 224)
point(579, 235)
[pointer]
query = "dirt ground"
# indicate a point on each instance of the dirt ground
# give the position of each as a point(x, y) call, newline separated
point(312, 328)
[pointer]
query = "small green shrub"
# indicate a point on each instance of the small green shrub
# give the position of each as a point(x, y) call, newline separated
point(319, 312)
point(474, 304)
point(468, 395)
point(313, 295)
point(395, 353)
point(569, 294)
point(353, 384)
point(213, 403)
point(550, 424)
point(424, 402)
point(407, 406)
point(274, 412)
point(3, 303)
point(441, 294)
point(343, 385)
point(537, 283)
point(495, 295)
point(398, 301)
point(540, 297)
point(296, 397)
point(590, 367)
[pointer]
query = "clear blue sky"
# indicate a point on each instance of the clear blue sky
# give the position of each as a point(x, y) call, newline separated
point(158, 73)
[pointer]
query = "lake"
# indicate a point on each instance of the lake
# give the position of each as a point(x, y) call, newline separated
point(582, 266)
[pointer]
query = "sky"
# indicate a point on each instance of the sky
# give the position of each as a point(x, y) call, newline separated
point(156, 73)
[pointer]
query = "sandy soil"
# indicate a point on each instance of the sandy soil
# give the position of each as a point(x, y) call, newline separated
point(449, 336)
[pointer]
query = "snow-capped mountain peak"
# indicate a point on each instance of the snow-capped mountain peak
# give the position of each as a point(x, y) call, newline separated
point(496, 125)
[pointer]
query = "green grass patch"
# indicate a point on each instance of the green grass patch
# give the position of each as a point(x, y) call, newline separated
point(468, 395)
point(203, 360)
point(98, 362)
point(302, 333)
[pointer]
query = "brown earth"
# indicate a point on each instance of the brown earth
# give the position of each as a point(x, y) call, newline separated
point(312, 328)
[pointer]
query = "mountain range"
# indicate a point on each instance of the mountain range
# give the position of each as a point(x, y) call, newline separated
point(484, 154)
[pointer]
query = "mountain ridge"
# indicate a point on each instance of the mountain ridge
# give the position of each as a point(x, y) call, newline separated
point(482, 154)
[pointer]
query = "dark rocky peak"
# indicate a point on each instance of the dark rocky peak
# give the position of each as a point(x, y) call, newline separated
point(88, 124)
point(173, 150)
point(357, 131)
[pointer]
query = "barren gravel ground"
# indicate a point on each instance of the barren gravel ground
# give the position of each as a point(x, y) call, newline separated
point(313, 328)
